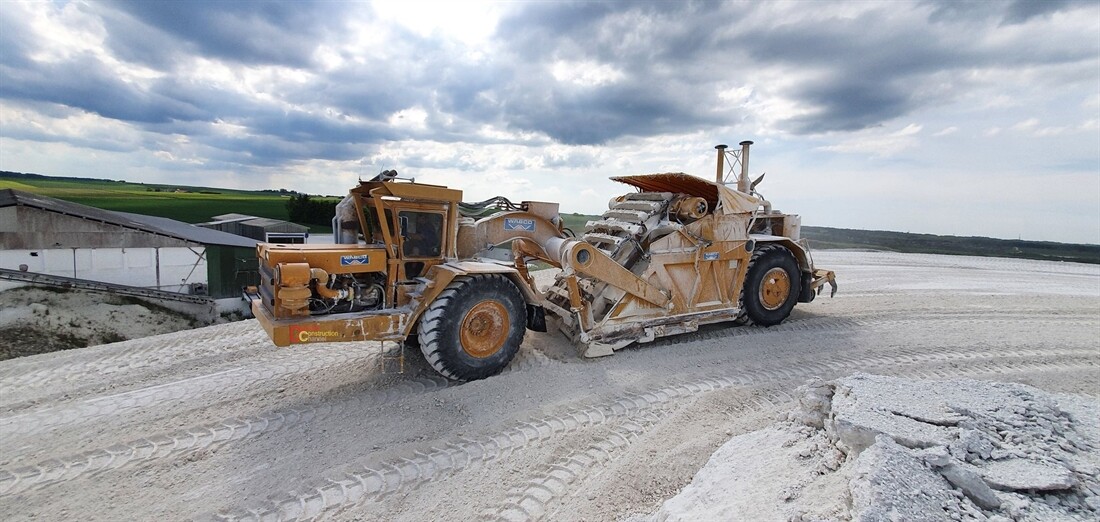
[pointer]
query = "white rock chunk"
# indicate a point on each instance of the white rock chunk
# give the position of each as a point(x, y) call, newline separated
point(1027, 475)
point(890, 483)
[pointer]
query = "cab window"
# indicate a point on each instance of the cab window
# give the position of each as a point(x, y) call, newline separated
point(421, 233)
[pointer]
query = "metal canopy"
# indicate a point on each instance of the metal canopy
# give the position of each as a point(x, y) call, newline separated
point(678, 182)
point(674, 182)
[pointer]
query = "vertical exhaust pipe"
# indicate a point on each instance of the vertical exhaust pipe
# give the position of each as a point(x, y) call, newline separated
point(721, 162)
point(743, 181)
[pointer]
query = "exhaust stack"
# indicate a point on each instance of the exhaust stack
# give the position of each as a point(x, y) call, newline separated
point(743, 183)
point(721, 163)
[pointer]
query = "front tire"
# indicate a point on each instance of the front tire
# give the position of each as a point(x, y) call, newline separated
point(474, 328)
point(771, 286)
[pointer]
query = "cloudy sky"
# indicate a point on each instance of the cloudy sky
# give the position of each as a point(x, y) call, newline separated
point(946, 117)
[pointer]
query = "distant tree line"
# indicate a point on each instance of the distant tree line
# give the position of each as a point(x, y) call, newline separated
point(825, 238)
point(28, 175)
point(307, 211)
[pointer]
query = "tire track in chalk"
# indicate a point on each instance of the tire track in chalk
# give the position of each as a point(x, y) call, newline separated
point(218, 434)
point(137, 353)
point(236, 429)
point(190, 440)
point(863, 321)
point(241, 379)
point(529, 500)
point(365, 484)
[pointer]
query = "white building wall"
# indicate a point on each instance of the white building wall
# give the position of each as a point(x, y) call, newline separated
point(178, 266)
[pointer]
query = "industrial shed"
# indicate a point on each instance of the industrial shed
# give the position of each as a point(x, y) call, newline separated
point(51, 236)
point(261, 229)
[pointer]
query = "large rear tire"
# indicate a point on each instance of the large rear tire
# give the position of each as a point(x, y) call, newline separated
point(474, 328)
point(771, 286)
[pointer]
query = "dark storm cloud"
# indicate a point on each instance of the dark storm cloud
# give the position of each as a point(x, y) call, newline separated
point(86, 83)
point(850, 106)
point(606, 30)
point(374, 90)
point(866, 70)
point(133, 41)
point(303, 127)
point(652, 44)
point(581, 116)
point(666, 62)
point(1008, 13)
point(267, 151)
point(15, 40)
point(264, 32)
point(854, 72)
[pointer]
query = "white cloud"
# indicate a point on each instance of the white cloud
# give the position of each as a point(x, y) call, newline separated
point(469, 21)
point(875, 143)
point(1028, 125)
point(586, 73)
point(411, 118)
point(736, 95)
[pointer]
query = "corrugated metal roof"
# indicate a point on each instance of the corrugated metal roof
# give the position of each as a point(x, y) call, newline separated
point(151, 224)
point(720, 198)
point(674, 182)
point(206, 236)
point(268, 224)
point(231, 217)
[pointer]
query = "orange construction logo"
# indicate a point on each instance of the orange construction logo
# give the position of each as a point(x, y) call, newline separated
point(312, 334)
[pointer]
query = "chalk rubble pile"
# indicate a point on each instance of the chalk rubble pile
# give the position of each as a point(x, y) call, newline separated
point(875, 448)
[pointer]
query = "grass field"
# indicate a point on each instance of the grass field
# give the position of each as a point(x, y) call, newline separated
point(180, 202)
point(199, 204)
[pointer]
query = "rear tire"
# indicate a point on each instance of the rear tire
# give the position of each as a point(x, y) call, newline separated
point(771, 286)
point(474, 328)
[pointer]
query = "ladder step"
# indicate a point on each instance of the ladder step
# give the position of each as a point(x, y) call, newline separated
point(648, 206)
point(392, 355)
point(613, 225)
point(604, 239)
point(649, 196)
point(631, 216)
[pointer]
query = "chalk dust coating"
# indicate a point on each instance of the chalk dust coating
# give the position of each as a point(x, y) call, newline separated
point(868, 447)
point(215, 423)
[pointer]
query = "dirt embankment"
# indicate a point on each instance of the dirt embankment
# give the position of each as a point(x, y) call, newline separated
point(36, 320)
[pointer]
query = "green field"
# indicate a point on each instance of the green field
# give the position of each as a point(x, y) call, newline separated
point(199, 204)
point(576, 222)
point(180, 202)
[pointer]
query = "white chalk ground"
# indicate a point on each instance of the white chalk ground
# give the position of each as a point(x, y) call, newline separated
point(215, 423)
point(867, 447)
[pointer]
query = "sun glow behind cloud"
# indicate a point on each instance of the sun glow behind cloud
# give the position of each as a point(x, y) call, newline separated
point(471, 22)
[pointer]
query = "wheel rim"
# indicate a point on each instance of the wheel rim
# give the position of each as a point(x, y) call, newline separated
point(484, 329)
point(775, 289)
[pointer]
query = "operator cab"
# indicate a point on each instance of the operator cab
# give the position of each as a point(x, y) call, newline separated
point(409, 220)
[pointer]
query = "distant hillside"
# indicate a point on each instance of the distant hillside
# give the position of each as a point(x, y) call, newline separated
point(198, 204)
point(186, 203)
point(825, 238)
